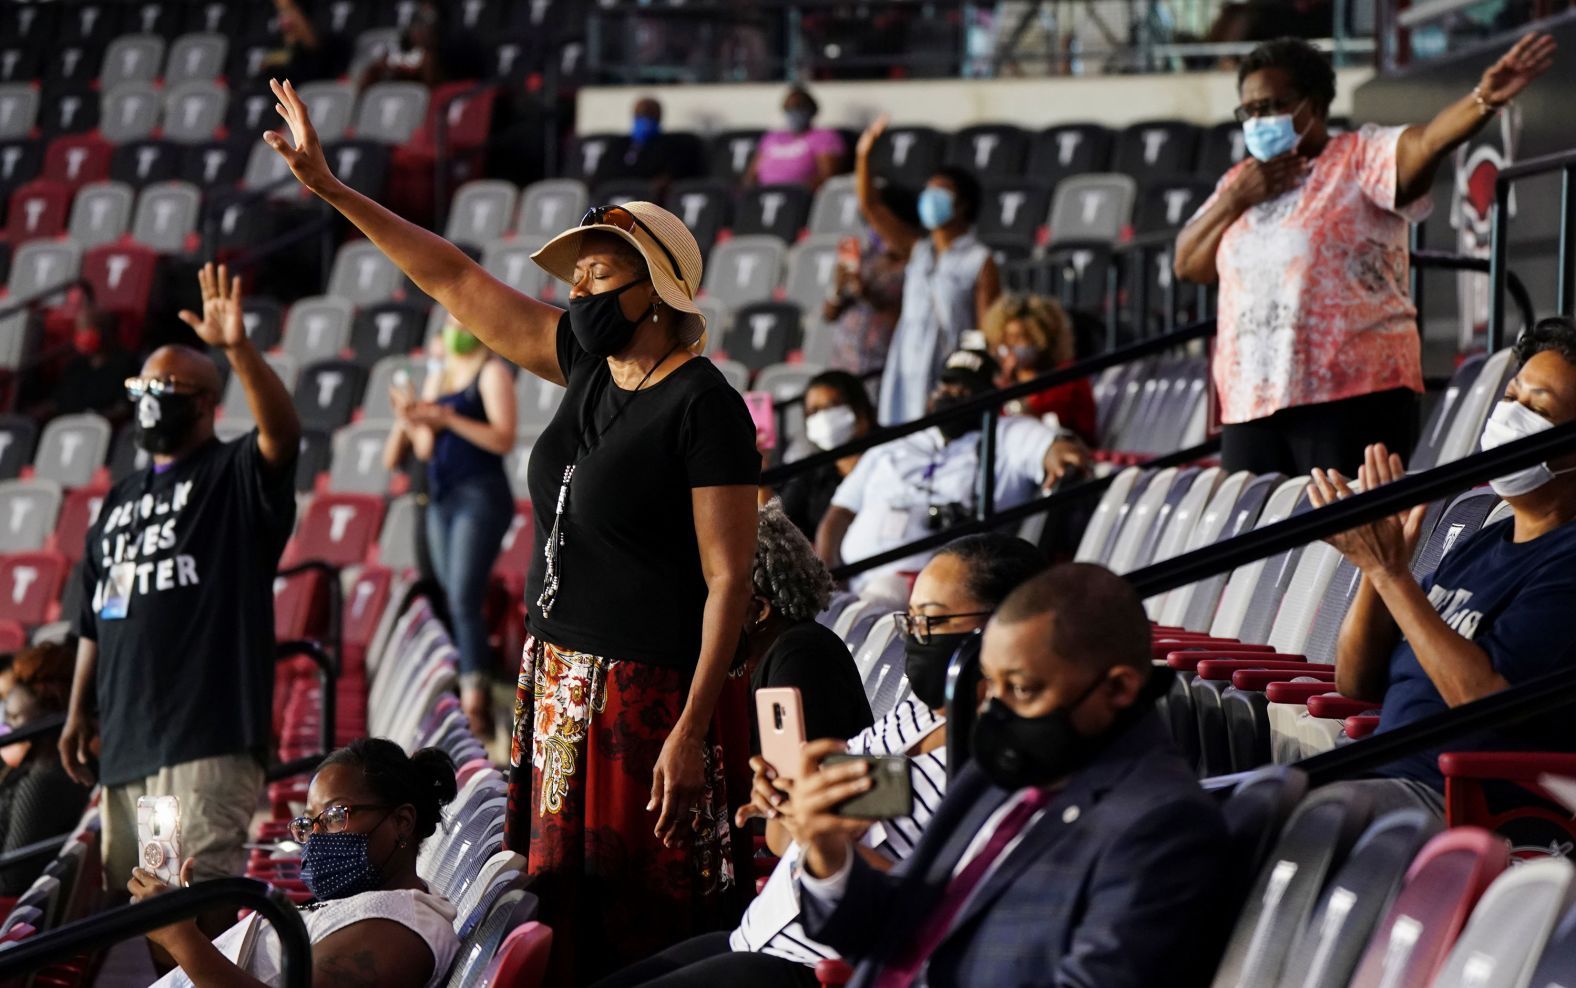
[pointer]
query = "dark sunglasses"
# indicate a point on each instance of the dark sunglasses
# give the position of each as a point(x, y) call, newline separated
point(627, 221)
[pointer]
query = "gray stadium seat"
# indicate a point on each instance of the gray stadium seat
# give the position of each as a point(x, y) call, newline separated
point(718, 320)
point(332, 105)
point(549, 207)
point(391, 111)
point(28, 511)
point(536, 401)
point(71, 448)
point(100, 213)
point(782, 382)
point(481, 212)
point(317, 328)
point(744, 270)
point(18, 435)
point(397, 539)
point(131, 58)
point(736, 373)
point(19, 111)
point(130, 111)
point(1488, 387)
point(235, 408)
point(375, 405)
point(515, 465)
point(264, 167)
point(835, 211)
point(1510, 926)
point(42, 264)
point(362, 275)
point(1091, 208)
point(194, 110)
point(357, 466)
point(166, 215)
point(196, 57)
point(510, 262)
point(812, 266)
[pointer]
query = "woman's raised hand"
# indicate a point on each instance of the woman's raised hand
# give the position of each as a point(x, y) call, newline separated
point(1527, 59)
point(867, 140)
point(301, 149)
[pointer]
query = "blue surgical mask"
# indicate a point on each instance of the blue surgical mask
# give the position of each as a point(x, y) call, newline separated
point(1269, 137)
point(935, 207)
point(644, 129)
point(334, 866)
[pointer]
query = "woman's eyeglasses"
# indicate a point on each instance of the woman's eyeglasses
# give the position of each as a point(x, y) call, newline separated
point(1266, 108)
point(333, 820)
point(158, 387)
point(920, 627)
point(627, 221)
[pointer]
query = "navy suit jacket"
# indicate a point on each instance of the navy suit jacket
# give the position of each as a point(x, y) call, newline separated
point(1118, 883)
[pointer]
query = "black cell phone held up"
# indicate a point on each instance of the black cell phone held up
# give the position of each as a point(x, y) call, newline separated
point(890, 794)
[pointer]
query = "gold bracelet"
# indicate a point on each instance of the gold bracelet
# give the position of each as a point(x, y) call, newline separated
point(1484, 106)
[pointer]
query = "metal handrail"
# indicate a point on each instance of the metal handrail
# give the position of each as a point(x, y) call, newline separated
point(115, 925)
point(35, 728)
point(1499, 243)
point(327, 677)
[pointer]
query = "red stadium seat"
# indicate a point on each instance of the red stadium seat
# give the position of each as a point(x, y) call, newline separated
point(364, 604)
point(37, 209)
point(12, 636)
point(30, 586)
point(1477, 784)
point(522, 960)
point(514, 556)
point(77, 513)
point(122, 276)
point(468, 123)
point(298, 604)
point(338, 529)
point(77, 159)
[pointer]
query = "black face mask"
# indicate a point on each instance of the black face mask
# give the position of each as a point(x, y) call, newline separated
point(165, 422)
point(1015, 752)
point(926, 666)
point(958, 427)
point(599, 324)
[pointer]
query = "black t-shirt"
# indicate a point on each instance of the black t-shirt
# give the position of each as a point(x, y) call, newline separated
point(812, 658)
point(87, 385)
point(189, 671)
point(630, 582)
point(807, 497)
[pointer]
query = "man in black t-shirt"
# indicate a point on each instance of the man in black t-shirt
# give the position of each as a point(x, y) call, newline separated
point(175, 668)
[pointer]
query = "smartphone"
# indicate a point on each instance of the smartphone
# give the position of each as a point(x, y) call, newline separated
point(779, 716)
point(890, 794)
point(765, 416)
point(159, 837)
point(849, 254)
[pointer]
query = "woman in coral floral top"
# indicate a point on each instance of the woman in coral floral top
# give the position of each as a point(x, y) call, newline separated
point(1317, 352)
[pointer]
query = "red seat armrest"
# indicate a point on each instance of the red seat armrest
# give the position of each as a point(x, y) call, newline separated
point(1296, 692)
point(1189, 658)
point(1223, 668)
point(1361, 725)
point(1256, 679)
point(1524, 765)
point(1338, 707)
point(834, 973)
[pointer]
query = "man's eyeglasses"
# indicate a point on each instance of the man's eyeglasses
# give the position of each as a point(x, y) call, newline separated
point(627, 221)
point(920, 627)
point(1266, 108)
point(158, 387)
point(333, 820)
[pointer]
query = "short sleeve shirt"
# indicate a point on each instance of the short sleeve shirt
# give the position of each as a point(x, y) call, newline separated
point(1313, 285)
point(786, 158)
point(1514, 601)
point(188, 672)
point(630, 581)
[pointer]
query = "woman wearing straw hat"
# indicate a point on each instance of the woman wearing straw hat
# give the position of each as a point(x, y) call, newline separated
point(644, 490)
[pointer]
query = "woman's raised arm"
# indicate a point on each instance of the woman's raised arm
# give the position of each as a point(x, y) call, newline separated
point(514, 325)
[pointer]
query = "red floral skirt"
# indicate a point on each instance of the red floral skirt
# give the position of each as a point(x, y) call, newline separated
point(587, 733)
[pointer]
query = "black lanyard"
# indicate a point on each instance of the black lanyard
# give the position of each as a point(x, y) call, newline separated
point(552, 573)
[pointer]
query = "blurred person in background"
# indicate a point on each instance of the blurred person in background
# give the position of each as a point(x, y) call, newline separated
point(644, 487)
point(866, 297)
point(949, 283)
point(1317, 353)
point(653, 155)
point(94, 377)
point(800, 153)
point(784, 644)
point(38, 800)
point(462, 427)
point(434, 48)
point(175, 666)
point(374, 921)
point(311, 52)
point(1030, 336)
point(837, 409)
point(925, 482)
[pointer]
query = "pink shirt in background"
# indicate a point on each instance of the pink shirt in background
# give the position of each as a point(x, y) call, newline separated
point(786, 158)
point(1313, 286)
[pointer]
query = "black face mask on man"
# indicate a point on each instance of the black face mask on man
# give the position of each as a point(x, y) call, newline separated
point(926, 666)
point(165, 422)
point(599, 323)
point(959, 427)
point(1015, 751)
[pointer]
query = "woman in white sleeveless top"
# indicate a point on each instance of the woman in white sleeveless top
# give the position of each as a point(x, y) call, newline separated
point(951, 279)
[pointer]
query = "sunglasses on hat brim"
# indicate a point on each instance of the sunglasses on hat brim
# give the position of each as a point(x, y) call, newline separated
point(623, 219)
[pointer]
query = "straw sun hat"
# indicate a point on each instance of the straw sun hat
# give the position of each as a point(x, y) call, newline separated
point(657, 229)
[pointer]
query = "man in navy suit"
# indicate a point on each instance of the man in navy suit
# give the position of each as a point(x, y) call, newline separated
point(1075, 849)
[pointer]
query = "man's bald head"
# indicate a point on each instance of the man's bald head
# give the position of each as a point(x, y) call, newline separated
point(183, 364)
point(1097, 621)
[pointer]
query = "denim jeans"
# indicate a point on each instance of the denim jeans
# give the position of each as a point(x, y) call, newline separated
point(465, 529)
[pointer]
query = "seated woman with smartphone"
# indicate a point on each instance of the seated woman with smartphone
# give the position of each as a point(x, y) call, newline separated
point(953, 597)
point(374, 922)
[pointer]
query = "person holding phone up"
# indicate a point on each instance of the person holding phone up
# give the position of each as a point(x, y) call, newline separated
point(1076, 848)
point(462, 426)
point(175, 667)
point(952, 598)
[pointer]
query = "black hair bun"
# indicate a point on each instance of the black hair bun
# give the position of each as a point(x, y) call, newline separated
point(436, 769)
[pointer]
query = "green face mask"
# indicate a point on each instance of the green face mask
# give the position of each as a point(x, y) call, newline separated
point(458, 341)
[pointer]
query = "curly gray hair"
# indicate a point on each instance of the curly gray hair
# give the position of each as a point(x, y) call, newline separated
point(787, 571)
